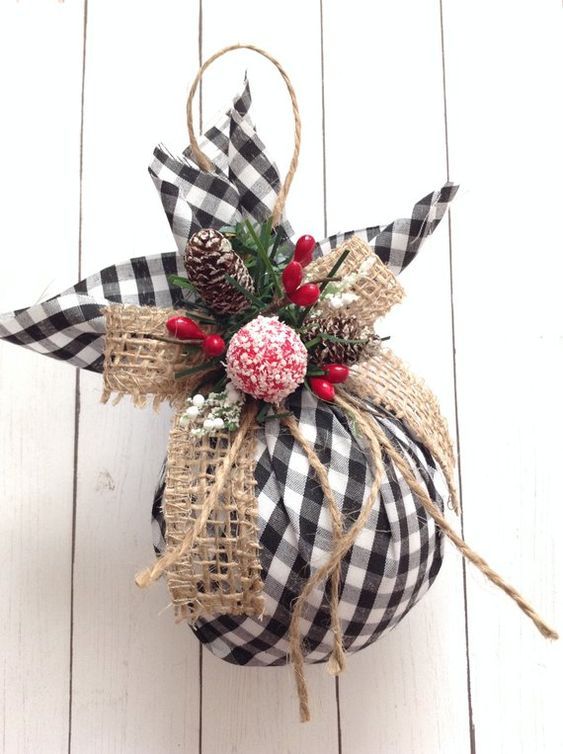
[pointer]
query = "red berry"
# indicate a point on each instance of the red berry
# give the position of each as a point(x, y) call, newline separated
point(304, 250)
point(336, 373)
point(306, 295)
point(184, 328)
point(322, 388)
point(214, 345)
point(292, 276)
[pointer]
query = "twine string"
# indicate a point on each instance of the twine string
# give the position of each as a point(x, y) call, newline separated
point(377, 443)
point(340, 547)
point(201, 159)
point(337, 658)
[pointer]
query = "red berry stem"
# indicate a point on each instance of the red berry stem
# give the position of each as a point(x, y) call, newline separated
point(175, 341)
point(321, 281)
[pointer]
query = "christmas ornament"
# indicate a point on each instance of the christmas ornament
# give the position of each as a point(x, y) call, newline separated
point(267, 359)
point(265, 536)
point(217, 272)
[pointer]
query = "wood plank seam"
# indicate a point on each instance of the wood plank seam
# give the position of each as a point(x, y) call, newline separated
point(457, 436)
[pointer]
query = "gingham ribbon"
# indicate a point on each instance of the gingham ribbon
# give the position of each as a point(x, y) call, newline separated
point(244, 184)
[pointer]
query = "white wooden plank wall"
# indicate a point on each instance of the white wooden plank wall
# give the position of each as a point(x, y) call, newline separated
point(395, 97)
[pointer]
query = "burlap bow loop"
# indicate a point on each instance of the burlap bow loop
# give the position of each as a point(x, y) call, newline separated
point(141, 359)
point(373, 287)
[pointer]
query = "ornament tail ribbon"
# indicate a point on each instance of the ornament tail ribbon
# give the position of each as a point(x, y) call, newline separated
point(398, 243)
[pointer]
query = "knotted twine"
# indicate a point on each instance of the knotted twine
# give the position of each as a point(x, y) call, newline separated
point(211, 559)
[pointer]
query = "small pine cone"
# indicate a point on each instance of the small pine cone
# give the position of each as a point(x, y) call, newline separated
point(346, 327)
point(208, 258)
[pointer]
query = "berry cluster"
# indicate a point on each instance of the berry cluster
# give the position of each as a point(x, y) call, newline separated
point(214, 413)
point(261, 307)
point(309, 293)
point(186, 329)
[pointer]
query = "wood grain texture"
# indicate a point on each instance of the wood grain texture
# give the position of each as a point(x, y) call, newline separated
point(84, 640)
point(135, 673)
point(505, 148)
point(385, 150)
point(39, 200)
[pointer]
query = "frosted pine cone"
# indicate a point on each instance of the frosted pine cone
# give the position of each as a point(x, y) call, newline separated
point(209, 258)
point(335, 352)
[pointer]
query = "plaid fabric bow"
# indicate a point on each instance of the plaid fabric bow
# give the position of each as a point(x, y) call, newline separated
point(244, 184)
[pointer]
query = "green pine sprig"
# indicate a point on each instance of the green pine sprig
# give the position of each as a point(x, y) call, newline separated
point(332, 272)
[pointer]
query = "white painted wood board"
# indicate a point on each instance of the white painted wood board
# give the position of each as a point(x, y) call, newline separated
point(90, 663)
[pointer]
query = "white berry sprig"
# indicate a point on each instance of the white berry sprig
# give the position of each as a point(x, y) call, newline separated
point(211, 414)
point(337, 293)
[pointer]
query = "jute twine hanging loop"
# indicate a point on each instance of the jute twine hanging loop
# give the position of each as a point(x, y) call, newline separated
point(212, 558)
point(201, 158)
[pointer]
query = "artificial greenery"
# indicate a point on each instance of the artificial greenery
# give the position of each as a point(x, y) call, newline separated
point(265, 252)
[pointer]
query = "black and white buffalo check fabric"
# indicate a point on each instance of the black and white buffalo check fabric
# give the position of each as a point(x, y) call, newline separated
point(397, 243)
point(244, 184)
point(397, 556)
point(391, 565)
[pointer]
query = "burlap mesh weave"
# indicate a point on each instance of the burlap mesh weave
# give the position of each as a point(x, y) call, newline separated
point(138, 364)
point(388, 383)
point(377, 291)
point(221, 573)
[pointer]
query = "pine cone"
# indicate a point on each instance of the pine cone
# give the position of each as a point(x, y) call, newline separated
point(346, 327)
point(208, 258)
